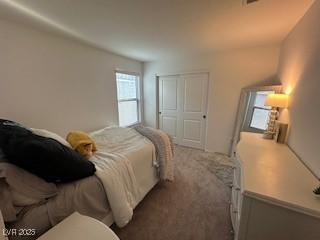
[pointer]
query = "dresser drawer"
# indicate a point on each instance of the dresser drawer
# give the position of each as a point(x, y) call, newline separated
point(239, 203)
point(234, 220)
point(234, 195)
point(237, 171)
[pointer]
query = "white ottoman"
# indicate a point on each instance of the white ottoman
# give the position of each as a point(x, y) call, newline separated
point(79, 227)
point(2, 228)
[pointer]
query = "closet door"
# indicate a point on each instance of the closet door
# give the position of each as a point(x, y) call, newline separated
point(183, 108)
point(193, 114)
point(169, 106)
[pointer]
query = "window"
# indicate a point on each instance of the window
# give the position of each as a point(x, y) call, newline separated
point(260, 114)
point(128, 99)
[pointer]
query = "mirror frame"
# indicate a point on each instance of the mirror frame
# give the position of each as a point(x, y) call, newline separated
point(242, 109)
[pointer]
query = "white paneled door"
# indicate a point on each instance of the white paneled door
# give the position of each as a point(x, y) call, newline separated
point(169, 105)
point(183, 108)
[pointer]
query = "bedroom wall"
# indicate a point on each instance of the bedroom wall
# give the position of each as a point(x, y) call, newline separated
point(300, 74)
point(229, 72)
point(48, 81)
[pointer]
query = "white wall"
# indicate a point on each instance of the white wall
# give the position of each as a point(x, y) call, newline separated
point(47, 81)
point(229, 72)
point(299, 71)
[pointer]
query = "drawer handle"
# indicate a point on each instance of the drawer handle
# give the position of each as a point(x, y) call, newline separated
point(234, 211)
point(235, 187)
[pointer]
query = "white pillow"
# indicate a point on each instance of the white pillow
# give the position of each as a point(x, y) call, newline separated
point(48, 134)
point(108, 125)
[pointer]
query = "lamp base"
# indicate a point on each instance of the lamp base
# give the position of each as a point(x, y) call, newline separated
point(271, 129)
point(268, 135)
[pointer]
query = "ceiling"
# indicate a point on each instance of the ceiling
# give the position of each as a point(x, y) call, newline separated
point(149, 30)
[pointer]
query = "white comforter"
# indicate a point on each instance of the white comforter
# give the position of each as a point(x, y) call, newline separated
point(114, 169)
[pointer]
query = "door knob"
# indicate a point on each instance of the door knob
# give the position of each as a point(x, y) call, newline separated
point(204, 116)
point(159, 112)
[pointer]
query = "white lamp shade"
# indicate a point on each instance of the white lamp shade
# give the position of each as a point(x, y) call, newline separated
point(277, 100)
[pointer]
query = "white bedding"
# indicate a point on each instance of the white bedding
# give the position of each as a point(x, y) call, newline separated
point(87, 196)
point(125, 163)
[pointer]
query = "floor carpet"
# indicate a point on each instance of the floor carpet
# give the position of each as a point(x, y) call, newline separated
point(193, 207)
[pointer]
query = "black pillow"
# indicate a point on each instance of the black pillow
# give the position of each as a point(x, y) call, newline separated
point(9, 128)
point(44, 157)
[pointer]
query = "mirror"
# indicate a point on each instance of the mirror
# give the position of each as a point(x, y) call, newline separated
point(252, 115)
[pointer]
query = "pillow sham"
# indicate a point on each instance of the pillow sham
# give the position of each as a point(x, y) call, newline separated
point(25, 188)
point(20, 200)
point(48, 134)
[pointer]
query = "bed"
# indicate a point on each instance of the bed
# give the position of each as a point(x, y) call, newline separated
point(88, 196)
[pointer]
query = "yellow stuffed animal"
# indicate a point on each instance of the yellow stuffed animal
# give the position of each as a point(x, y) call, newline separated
point(82, 143)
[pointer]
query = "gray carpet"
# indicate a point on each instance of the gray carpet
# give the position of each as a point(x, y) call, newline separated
point(195, 206)
point(219, 164)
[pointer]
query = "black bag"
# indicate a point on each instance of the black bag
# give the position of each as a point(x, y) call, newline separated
point(44, 157)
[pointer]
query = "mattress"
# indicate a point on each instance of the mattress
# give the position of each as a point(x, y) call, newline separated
point(87, 196)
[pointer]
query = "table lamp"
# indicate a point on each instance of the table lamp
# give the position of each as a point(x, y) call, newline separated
point(276, 101)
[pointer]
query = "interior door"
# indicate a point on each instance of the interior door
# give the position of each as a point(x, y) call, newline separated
point(183, 108)
point(193, 114)
point(168, 105)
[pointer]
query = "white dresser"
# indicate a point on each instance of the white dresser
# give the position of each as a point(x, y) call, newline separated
point(272, 193)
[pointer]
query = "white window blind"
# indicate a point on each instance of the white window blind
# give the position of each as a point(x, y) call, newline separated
point(128, 98)
point(260, 115)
